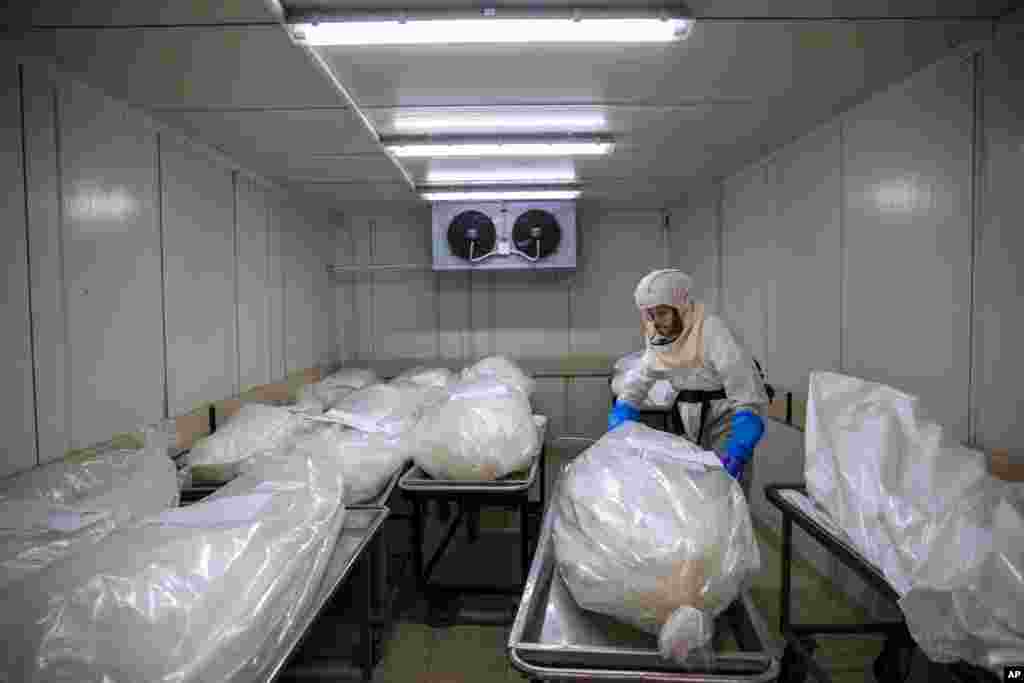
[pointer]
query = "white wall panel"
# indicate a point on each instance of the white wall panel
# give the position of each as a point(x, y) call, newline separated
point(454, 302)
point(808, 325)
point(616, 249)
point(253, 264)
point(19, 421)
point(346, 319)
point(531, 316)
point(693, 245)
point(275, 236)
point(405, 315)
point(748, 225)
point(112, 266)
point(999, 329)
point(589, 402)
point(325, 309)
point(47, 268)
point(550, 399)
point(199, 262)
point(482, 314)
point(298, 253)
point(907, 165)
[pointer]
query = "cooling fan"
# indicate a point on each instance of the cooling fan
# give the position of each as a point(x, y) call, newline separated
point(536, 233)
point(471, 234)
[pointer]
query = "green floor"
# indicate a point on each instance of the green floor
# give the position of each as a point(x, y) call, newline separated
point(419, 653)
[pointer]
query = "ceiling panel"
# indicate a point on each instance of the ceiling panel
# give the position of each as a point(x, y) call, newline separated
point(123, 12)
point(196, 68)
point(724, 8)
point(294, 131)
point(343, 193)
point(719, 60)
point(376, 168)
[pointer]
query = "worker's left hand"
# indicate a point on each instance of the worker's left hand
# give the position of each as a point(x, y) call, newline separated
point(733, 466)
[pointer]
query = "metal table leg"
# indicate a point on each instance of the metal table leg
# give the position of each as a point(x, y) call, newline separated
point(367, 635)
point(524, 537)
point(787, 541)
point(417, 542)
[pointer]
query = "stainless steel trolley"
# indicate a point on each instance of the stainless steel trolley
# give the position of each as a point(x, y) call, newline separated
point(510, 492)
point(361, 529)
point(554, 639)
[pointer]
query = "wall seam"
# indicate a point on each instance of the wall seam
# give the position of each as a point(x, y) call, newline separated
point(843, 285)
point(720, 245)
point(372, 341)
point(353, 296)
point(28, 261)
point(268, 307)
point(469, 338)
point(977, 208)
point(161, 228)
point(68, 375)
point(237, 317)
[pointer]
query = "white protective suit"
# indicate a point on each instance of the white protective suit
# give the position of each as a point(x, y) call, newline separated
point(705, 356)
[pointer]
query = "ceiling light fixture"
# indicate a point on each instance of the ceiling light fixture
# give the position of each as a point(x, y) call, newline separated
point(495, 195)
point(499, 177)
point(492, 30)
point(532, 146)
point(472, 122)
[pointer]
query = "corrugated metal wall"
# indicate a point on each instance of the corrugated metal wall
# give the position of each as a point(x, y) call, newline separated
point(160, 276)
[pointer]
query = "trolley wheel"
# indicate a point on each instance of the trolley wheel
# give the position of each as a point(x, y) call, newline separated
point(893, 663)
point(793, 668)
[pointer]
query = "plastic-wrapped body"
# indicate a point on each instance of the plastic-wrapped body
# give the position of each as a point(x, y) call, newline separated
point(434, 377)
point(924, 510)
point(314, 399)
point(253, 428)
point(366, 461)
point(355, 378)
point(200, 593)
point(502, 370)
point(653, 532)
point(662, 394)
point(391, 409)
point(482, 432)
point(51, 511)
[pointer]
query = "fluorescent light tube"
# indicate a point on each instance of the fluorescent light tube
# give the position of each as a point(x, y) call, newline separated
point(517, 149)
point(497, 195)
point(493, 30)
point(474, 122)
point(499, 176)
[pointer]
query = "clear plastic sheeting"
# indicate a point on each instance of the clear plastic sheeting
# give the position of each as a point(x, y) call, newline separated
point(253, 428)
point(355, 378)
point(389, 409)
point(924, 510)
point(54, 510)
point(484, 431)
point(661, 395)
point(366, 461)
point(314, 399)
point(433, 377)
point(653, 532)
point(502, 370)
point(205, 592)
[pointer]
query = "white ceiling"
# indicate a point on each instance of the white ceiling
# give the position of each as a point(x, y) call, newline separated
point(751, 76)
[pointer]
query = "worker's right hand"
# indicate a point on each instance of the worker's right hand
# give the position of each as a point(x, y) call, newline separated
point(620, 412)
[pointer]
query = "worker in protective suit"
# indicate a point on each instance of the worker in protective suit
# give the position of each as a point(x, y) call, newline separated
point(721, 391)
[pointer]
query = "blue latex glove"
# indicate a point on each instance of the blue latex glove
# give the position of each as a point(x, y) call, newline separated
point(747, 429)
point(731, 465)
point(621, 412)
